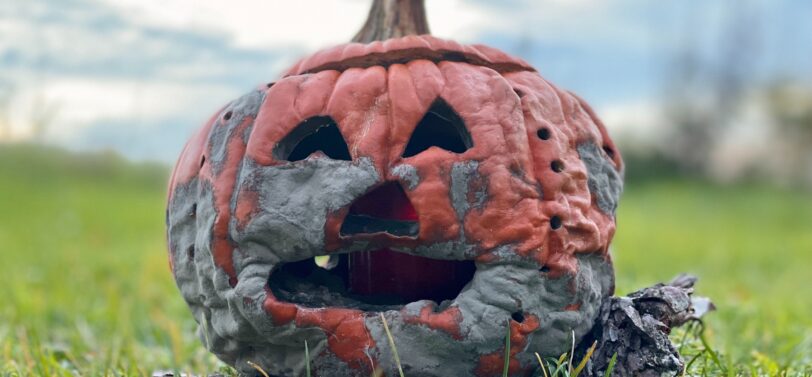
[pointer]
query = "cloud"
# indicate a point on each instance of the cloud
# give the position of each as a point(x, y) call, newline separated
point(93, 65)
point(79, 37)
point(306, 24)
point(119, 70)
point(83, 101)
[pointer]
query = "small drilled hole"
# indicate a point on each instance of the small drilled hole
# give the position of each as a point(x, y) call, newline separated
point(543, 134)
point(202, 160)
point(557, 166)
point(518, 317)
point(190, 252)
point(544, 269)
point(609, 151)
point(555, 222)
point(227, 115)
point(193, 212)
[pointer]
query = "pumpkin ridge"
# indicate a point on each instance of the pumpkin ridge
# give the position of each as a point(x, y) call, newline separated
point(386, 59)
point(405, 49)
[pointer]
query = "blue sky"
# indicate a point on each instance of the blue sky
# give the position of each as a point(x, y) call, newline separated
point(138, 76)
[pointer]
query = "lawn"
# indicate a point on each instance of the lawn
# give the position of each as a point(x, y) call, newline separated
point(86, 287)
point(752, 250)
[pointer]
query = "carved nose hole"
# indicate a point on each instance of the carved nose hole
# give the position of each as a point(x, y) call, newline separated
point(385, 209)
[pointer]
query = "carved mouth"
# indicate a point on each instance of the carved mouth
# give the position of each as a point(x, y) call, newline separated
point(371, 280)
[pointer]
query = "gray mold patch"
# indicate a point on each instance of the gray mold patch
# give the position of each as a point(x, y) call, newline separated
point(245, 106)
point(424, 352)
point(605, 183)
point(326, 364)
point(507, 254)
point(461, 175)
point(195, 276)
point(454, 250)
point(486, 305)
point(593, 282)
point(232, 322)
point(498, 291)
point(282, 353)
point(408, 174)
point(294, 202)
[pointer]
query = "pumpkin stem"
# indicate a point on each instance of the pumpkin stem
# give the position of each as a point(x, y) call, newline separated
point(393, 19)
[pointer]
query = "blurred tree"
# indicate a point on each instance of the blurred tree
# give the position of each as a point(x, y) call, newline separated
point(43, 114)
point(6, 94)
point(707, 84)
point(790, 105)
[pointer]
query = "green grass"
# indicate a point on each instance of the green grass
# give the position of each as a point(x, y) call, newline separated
point(85, 282)
point(751, 248)
point(86, 288)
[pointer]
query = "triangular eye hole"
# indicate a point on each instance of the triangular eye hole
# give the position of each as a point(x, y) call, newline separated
point(314, 134)
point(440, 127)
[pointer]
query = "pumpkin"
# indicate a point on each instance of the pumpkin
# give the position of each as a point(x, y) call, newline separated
point(449, 187)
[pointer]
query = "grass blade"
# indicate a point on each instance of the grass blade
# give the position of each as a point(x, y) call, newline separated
point(582, 364)
point(205, 326)
point(258, 368)
point(541, 363)
point(392, 344)
point(572, 354)
point(507, 351)
point(307, 360)
point(611, 367)
point(688, 329)
point(691, 362)
point(711, 352)
point(560, 368)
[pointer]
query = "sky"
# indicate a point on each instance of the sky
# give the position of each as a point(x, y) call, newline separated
point(139, 76)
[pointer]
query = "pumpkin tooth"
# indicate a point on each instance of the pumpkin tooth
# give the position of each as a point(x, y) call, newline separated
point(327, 262)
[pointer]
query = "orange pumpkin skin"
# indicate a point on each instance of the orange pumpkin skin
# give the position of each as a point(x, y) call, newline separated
point(531, 201)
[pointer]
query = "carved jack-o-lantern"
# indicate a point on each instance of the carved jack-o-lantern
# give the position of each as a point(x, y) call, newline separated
point(449, 187)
